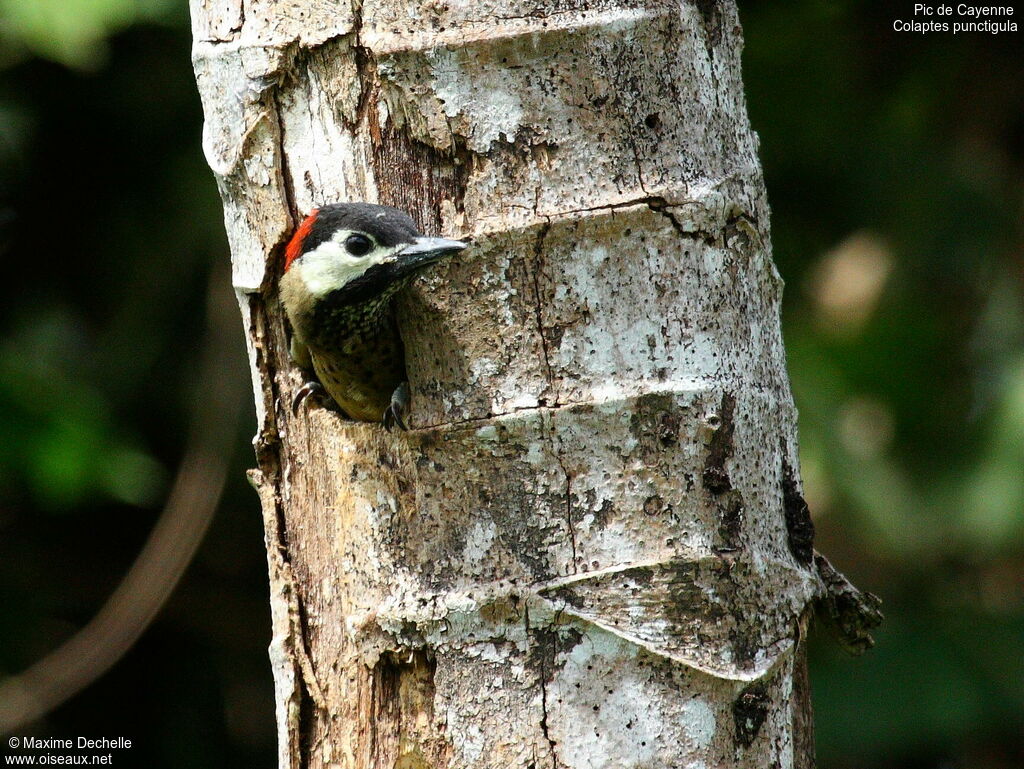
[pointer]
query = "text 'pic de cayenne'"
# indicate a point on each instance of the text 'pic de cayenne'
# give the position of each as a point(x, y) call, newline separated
point(343, 267)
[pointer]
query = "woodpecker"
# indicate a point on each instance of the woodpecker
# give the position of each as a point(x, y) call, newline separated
point(342, 269)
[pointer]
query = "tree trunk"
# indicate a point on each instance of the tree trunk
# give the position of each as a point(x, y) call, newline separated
point(590, 550)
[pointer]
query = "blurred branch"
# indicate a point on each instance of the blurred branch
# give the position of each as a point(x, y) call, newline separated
point(190, 506)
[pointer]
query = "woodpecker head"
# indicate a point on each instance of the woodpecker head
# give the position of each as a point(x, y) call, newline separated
point(358, 252)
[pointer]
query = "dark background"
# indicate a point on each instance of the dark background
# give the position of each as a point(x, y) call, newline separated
point(893, 164)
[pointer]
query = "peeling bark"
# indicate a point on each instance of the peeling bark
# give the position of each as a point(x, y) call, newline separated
point(588, 552)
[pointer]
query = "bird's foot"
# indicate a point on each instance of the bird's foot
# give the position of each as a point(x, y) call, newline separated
point(396, 411)
point(312, 388)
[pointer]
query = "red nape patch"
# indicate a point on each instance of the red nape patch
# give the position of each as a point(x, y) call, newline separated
point(295, 244)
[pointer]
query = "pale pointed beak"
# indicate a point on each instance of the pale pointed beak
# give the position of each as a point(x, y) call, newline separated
point(423, 251)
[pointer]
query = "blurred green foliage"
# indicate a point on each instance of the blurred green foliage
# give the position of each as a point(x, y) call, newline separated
point(68, 456)
point(893, 164)
point(72, 32)
point(111, 226)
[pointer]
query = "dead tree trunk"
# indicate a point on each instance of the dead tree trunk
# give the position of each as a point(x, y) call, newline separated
point(591, 550)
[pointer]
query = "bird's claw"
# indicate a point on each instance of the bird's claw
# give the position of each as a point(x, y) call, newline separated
point(395, 412)
point(308, 389)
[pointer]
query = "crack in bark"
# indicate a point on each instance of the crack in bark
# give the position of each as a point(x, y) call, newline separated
point(645, 200)
point(526, 410)
point(656, 203)
point(543, 690)
point(556, 451)
point(639, 167)
point(288, 182)
point(660, 206)
point(568, 510)
point(538, 249)
point(309, 678)
point(366, 73)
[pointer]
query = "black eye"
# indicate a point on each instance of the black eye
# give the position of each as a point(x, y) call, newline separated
point(358, 245)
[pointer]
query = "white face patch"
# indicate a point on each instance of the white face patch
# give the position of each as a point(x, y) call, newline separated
point(330, 266)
